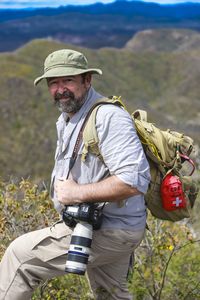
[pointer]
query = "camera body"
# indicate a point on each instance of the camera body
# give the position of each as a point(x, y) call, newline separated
point(84, 212)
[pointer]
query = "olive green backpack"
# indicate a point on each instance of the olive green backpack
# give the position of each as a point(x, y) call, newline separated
point(166, 152)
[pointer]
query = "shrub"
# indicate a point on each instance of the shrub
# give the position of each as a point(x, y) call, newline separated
point(166, 264)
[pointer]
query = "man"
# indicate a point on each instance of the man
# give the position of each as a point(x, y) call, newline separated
point(123, 174)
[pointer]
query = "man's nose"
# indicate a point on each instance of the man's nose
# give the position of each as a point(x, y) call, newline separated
point(61, 88)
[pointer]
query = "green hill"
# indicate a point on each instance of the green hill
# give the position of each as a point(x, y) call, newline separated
point(164, 40)
point(165, 84)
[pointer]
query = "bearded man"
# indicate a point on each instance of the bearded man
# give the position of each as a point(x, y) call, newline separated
point(122, 174)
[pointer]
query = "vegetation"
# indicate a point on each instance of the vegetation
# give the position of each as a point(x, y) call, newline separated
point(158, 82)
point(164, 40)
point(166, 263)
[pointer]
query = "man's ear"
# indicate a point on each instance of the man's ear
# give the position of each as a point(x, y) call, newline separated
point(88, 79)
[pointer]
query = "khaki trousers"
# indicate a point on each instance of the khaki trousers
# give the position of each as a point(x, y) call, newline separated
point(40, 255)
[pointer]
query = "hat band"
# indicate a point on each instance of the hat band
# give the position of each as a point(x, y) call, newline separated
point(65, 65)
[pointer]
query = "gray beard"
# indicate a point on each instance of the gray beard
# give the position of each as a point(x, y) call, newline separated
point(71, 106)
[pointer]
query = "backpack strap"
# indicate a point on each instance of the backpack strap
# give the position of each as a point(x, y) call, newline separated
point(140, 114)
point(90, 137)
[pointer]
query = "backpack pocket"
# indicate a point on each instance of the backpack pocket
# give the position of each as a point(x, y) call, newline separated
point(154, 201)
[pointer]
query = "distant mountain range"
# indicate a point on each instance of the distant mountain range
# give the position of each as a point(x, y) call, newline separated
point(93, 26)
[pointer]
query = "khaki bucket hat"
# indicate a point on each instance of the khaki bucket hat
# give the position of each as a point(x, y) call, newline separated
point(65, 62)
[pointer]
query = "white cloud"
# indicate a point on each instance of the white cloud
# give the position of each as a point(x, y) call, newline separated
point(46, 3)
point(171, 1)
point(56, 3)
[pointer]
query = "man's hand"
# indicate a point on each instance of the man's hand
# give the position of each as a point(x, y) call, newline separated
point(67, 191)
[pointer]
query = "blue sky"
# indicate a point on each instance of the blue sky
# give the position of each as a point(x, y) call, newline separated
point(55, 3)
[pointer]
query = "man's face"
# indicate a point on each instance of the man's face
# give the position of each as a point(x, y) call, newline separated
point(69, 92)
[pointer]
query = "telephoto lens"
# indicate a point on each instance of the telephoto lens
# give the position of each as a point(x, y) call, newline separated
point(79, 249)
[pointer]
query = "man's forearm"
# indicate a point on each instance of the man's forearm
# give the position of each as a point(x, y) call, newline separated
point(110, 189)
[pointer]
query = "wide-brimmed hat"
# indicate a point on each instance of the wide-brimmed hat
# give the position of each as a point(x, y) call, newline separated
point(65, 62)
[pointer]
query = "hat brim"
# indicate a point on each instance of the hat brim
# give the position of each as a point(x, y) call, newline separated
point(63, 71)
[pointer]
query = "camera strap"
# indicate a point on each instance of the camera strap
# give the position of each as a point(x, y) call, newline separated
point(78, 144)
point(75, 151)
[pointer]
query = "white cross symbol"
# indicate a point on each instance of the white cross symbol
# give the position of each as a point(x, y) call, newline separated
point(177, 202)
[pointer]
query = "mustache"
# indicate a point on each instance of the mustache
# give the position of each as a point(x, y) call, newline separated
point(65, 94)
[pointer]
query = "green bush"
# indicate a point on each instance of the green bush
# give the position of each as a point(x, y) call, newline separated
point(166, 264)
point(25, 207)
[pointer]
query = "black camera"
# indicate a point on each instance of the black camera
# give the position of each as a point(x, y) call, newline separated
point(85, 212)
point(83, 218)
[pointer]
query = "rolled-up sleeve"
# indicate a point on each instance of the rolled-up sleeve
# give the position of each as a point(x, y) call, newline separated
point(121, 148)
